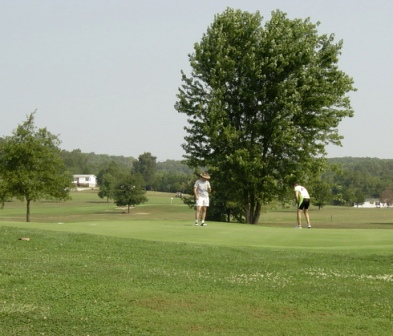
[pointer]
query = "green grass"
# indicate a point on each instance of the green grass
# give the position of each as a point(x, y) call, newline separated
point(90, 269)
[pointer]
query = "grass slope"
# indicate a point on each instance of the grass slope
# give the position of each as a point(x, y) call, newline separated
point(61, 283)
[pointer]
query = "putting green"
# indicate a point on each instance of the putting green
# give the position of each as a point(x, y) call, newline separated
point(229, 234)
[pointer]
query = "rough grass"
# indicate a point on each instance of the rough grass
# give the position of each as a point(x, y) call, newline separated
point(83, 272)
point(61, 283)
point(86, 206)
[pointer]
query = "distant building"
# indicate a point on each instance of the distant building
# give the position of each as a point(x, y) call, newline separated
point(85, 181)
point(372, 203)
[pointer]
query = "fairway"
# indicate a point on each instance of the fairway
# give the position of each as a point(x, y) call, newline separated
point(91, 268)
point(165, 218)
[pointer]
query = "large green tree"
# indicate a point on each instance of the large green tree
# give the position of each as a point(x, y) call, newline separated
point(262, 102)
point(31, 167)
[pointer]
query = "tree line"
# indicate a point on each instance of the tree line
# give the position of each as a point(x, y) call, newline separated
point(344, 181)
point(344, 177)
point(33, 167)
point(349, 181)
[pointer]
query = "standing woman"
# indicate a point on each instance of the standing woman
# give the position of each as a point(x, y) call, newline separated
point(201, 193)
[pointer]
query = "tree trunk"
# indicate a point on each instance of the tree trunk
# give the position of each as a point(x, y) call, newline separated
point(252, 212)
point(247, 213)
point(228, 216)
point(27, 210)
point(256, 213)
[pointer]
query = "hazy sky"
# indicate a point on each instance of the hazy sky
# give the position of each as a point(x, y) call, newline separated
point(104, 74)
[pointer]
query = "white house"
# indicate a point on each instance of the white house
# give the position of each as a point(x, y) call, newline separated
point(86, 181)
point(372, 203)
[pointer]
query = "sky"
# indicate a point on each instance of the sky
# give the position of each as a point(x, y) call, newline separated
point(103, 74)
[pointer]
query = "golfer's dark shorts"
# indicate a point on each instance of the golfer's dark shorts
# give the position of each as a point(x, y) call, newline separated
point(305, 204)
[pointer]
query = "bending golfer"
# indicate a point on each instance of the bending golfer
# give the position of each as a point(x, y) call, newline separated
point(302, 198)
point(201, 193)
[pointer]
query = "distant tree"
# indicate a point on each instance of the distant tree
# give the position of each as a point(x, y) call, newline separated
point(386, 197)
point(76, 162)
point(3, 187)
point(31, 167)
point(108, 178)
point(338, 194)
point(359, 197)
point(321, 194)
point(107, 186)
point(91, 163)
point(174, 166)
point(146, 166)
point(262, 102)
point(349, 196)
point(171, 181)
point(130, 192)
point(370, 175)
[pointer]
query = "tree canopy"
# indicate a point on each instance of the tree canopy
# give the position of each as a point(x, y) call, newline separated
point(31, 167)
point(108, 177)
point(262, 102)
point(130, 192)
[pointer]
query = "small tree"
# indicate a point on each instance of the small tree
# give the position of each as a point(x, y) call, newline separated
point(109, 177)
point(107, 185)
point(31, 167)
point(349, 196)
point(321, 194)
point(359, 197)
point(130, 192)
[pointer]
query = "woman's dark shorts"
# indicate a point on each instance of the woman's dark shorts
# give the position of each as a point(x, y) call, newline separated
point(305, 204)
